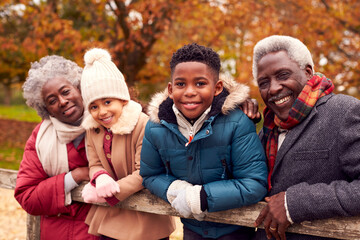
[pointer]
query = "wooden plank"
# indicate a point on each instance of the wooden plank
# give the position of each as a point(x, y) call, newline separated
point(342, 228)
point(7, 178)
point(32, 227)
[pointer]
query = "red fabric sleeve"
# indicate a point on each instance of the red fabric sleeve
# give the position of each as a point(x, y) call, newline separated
point(35, 191)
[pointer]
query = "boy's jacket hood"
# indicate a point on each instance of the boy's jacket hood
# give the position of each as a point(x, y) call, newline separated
point(126, 122)
point(229, 99)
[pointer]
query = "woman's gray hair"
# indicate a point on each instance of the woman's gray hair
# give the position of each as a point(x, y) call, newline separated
point(295, 49)
point(41, 72)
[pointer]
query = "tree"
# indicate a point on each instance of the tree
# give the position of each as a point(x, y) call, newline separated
point(29, 32)
point(128, 29)
point(11, 56)
point(142, 35)
point(330, 29)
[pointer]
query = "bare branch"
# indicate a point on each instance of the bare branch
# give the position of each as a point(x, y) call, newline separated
point(122, 14)
point(347, 25)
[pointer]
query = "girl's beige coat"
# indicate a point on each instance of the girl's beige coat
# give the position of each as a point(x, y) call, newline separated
point(126, 146)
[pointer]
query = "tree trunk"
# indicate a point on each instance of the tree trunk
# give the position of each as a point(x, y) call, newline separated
point(7, 94)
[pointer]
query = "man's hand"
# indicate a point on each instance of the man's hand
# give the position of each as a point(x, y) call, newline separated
point(251, 108)
point(274, 217)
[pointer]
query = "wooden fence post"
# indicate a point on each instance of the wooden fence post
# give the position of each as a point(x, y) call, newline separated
point(32, 227)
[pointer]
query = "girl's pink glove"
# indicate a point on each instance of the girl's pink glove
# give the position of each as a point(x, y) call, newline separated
point(90, 196)
point(106, 186)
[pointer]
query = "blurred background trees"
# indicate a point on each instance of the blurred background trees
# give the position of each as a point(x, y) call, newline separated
point(142, 35)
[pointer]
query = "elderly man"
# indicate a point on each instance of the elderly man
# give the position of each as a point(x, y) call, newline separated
point(311, 137)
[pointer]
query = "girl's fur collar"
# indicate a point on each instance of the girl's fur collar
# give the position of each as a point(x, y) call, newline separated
point(237, 94)
point(125, 124)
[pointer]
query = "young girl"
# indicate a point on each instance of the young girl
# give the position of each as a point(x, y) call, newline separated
point(114, 131)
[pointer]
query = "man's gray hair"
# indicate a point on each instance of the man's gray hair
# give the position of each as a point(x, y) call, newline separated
point(41, 72)
point(295, 49)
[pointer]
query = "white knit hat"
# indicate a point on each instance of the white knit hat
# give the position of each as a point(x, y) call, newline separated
point(101, 78)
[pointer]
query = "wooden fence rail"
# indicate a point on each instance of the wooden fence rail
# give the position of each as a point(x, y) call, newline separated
point(341, 228)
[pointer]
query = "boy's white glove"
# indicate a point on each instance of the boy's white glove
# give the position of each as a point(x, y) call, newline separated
point(174, 186)
point(90, 196)
point(193, 198)
point(188, 202)
point(106, 186)
point(179, 202)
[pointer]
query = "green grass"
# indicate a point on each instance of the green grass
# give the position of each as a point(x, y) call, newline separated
point(19, 112)
point(10, 157)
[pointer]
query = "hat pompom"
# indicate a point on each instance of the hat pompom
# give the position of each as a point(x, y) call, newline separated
point(101, 78)
point(96, 54)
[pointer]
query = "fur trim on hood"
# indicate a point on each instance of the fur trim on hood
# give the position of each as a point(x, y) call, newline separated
point(125, 124)
point(238, 93)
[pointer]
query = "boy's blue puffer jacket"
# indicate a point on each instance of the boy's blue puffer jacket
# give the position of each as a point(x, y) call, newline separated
point(225, 156)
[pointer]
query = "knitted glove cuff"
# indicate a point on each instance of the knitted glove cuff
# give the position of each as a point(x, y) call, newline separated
point(203, 199)
point(93, 180)
point(176, 185)
point(112, 201)
point(193, 198)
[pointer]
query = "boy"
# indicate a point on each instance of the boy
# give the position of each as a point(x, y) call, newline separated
point(200, 152)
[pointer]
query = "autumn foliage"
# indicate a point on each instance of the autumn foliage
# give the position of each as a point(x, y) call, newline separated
point(142, 35)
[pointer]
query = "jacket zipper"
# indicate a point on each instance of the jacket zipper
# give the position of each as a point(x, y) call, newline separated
point(167, 167)
point(191, 132)
point(226, 170)
point(223, 162)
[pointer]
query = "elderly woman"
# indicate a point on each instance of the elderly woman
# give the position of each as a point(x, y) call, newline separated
point(54, 160)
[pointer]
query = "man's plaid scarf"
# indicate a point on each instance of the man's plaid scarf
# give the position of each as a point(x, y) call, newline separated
point(317, 87)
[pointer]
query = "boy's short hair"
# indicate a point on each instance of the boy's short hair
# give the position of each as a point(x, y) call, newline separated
point(197, 53)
